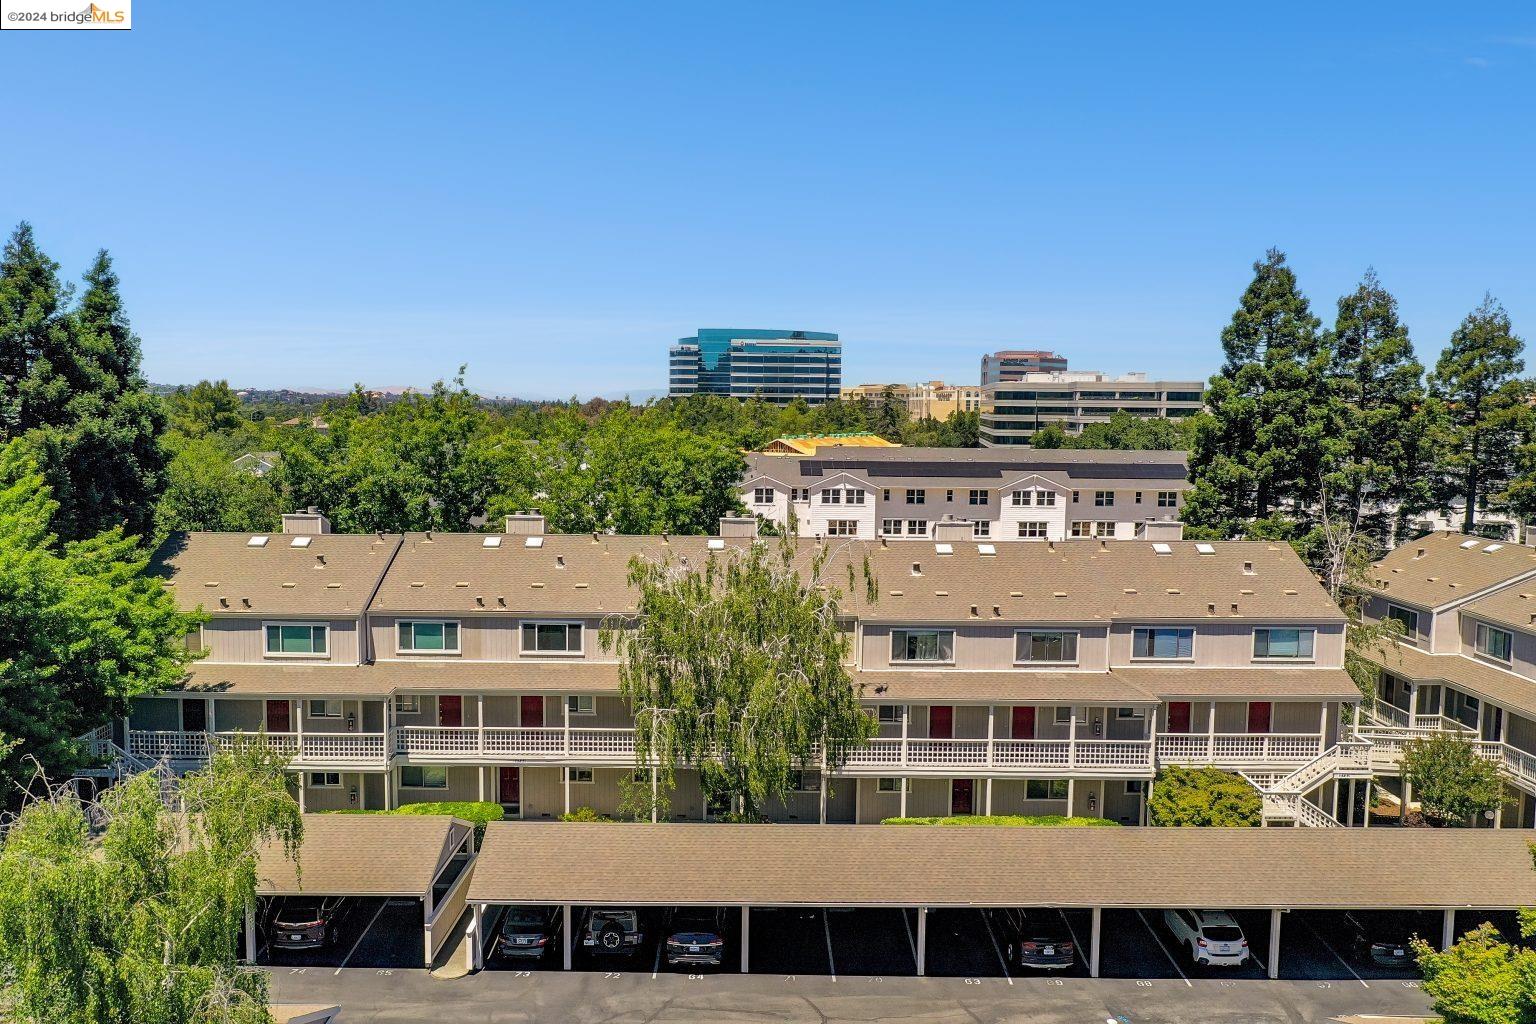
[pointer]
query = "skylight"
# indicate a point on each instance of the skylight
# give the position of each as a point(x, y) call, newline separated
point(1492, 547)
point(986, 549)
point(1469, 543)
point(300, 542)
point(944, 549)
point(1162, 549)
point(716, 544)
point(258, 541)
point(491, 542)
point(1206, 549)
point(533, 542)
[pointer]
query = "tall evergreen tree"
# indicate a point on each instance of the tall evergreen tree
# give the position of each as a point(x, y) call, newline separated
point(1478, 381)
point(33, 328)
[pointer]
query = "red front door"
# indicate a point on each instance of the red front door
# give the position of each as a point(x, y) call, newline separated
point(450, 711)
point(960, 797)
point(532, 712)
point(509, 788)
point(941, 722)
point(1024, 723)
point(1178, 716)
point(1258, 715)
point(278, 718)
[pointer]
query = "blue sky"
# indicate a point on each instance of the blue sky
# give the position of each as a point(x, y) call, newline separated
point(316, 194)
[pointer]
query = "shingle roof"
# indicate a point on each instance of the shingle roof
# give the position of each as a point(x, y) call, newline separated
point(331, 574)
point(1443, 568)
point(1243, 683)
point(1514, 606)
point(362, 855)
point(1004, 686)
point(976, 467)
point(1465, 673)
point(387, 677)
point(872, 865)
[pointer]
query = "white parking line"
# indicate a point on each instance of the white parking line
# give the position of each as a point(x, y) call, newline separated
point(1077, 943)
point(911, 942)
point(362, 935)
point(1329, 947)
point(656, 964)
point(1002, 961)
point(826, 929)
point(1159, 940)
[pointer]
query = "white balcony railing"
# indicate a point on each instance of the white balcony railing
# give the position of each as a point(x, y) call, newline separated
point(1019, 755)
point(315, 749)
point(1238, 748)
point(500, 743)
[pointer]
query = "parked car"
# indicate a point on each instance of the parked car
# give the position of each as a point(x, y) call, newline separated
point(613, 931)
point(1213, 937)
point(526, 933)
point(696, 936)
point(305, 922)
point(1380, 937)
point(1039, 939)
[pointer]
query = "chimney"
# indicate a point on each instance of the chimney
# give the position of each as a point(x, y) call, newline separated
point(738, 526)
point(950, 530)
point(311, 520)
point(526, 524)
point(1164, 531)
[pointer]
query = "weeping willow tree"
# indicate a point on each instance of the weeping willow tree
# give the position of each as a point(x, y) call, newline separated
point(129, 911)
point(738, 666)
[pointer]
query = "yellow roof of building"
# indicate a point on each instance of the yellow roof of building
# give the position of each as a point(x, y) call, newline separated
point(806, 444)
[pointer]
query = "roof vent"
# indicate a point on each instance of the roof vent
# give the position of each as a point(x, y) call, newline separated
point(1419, 553)
point(1128, 590)
point(479, 600)
point(897, 593)
point(245, 601)
point(300, 542)
point(917, 568)
point(944, 549)
point(1468, 544)
point(1210, 609)
point(1162, 549)
point(223, 602)
point(1173, 590)
point(492, 541)
point(1103, 544)
point(533, 542)
point(986, 549)
point(1206, 549)
point(309, 520)
point(319, 561)
point(258, 541)
point(1059, 593)
point(1248, 569)
point(997, 611)
point(1290, 593)
point(975, 611)
point(559, 561)
point(1234, 607)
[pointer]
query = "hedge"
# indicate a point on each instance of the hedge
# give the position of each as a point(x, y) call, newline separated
point(1006, 821)
point(477, 812)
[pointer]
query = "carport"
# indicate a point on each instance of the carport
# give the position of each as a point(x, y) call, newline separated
point(920, 868)
point(426, 858)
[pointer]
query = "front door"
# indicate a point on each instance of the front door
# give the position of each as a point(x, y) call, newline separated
point(1178, 716)
point(1024, 722)
point(1493, 723)
point(1259, 713)
point(509, 788)
point(532, 712)
point(278, 716)
point(450, 711)
point(961, 795)
point(941, 722)
point(194, 715)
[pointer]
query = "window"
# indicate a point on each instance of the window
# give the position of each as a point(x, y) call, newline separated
point(1086, 528)
point(578, 776)
point(1055, 647)
point(1032, 529)
point(1138, 497)
point(1074, 497)
point(1128, 713)
point(1492, 643)
point(407, 704)
point(427, 636)
point(1103, 499)
point(581, 704)
point(424, 776)
point(296, 639)
point(799, 494)
point(842, 527)
point(949, 495)
point(977, 497)
point(832, 496)
point(1045, 498)
point(888, 714)
point(853, 496)
point(325, 780)
point(890, 527)
point(1062, 716)
point(1045, 789)
point(917, 527)
point(1019, 498)
point(887, 784)
point(922, 645)
point(981, 529)
point(916, 496)
point(1135, 787)
point(1283, 643)
point(1167, 499)
point(324, 708)
point(551, 638)
point(1407, 616)
point(762, 495)
point(885, 494)
point(807, 782)
point(1163, 643)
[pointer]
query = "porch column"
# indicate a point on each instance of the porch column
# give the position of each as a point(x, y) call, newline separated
point(988, 809)
point(213, 725)
point(904, 783)
point(1093, 942)
point(1407, 794)
point(1322, 729)
point(1146, 800)
point(1071, 749)
point(565, 777)
point(1210, 733)
point(565, 710)
point(906, 713)
point(301, 792)
point(822, 801)
point(477, 946)
point(1071, 795)
point(480, 732)
point(746, 936)
point(1448, 930)
point(1349, 812)
point(991, 736)
point(299, 718)
point(1366, 805)
point(565, 931)
point(480, 776)
point(922, 941)
point(250, 934)
point(1274, 944)
point(1152, 737)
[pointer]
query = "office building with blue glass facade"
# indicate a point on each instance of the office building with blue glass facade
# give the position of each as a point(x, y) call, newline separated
point(776, 366)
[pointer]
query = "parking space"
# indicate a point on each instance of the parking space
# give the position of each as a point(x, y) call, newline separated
point(964, 944)
point(392, 938)
point(362, 932)
point(1328, 945)
point(791, 940)
point(873, 941)
point(724, 922)
point(533, 955)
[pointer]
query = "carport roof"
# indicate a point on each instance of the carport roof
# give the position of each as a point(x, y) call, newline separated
point(362, 855)
point(895, 865)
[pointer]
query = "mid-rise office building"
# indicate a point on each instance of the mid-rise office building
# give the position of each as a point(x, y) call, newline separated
point(1013, 364)
point(1012, 411)
point(931, 399)
point(776, 366)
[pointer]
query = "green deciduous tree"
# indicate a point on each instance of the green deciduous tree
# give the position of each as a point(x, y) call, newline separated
point(82, 627)
point(207, 407)
point(1203, 797)
point(138, 922)
point(1453, 784)
point(738, 665)
point(1481, 979)
point(205, 491)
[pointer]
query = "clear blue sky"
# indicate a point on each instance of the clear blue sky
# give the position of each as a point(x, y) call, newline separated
point(315, 194)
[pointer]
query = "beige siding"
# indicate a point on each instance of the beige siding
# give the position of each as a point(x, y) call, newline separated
point(797, 807)
point(1221, 644)
point(978, 646)
point(243, 641)
point(542, 794)
point(325, 799)
point(840, 800)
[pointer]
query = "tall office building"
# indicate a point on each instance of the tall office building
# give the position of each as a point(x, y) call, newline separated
point(777, 366)
point(1014, 364)
point(1011, 411)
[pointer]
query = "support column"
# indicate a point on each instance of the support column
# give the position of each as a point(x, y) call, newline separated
point(1407, 795)
point(1366, 806)
point(1093, 942)
point(1349, 811)
point(1071, 796)
point(991, 741)
point(565, 931)
point(1071, 751)
point(655, 796)
point(213, 725)
point(477, 947)
point(301, 793)
point(565, 776)
point(746, 936)
point(250, 934)
point(922, 941)
point(821, 801)
point(1274, 944)
point(988, 808)
point(1448, 930)
point(480, 780)
point(1146, 801)
point(906, 713)
point(480, 727)
point(905, 782)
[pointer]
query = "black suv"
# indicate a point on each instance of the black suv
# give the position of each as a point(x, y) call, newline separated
point(305, 922)
point(613, 931)
point(1381, 936)
point(1039, 939)
point(696, 936)
point(526, 933)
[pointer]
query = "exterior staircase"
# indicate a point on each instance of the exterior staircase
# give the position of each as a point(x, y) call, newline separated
point(1284, 796)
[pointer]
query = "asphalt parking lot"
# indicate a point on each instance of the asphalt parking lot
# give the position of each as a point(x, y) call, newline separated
point(374, 933)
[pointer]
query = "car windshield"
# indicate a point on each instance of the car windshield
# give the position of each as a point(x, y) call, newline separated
point(623, 918)
point(1222, 932)
point(523, 921)
point(300, 911)
point(694, 922)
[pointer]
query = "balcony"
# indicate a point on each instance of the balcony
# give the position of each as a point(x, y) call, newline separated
point(316, 750)
point(431, 745)
point(1237, 750)
point(1027, 757)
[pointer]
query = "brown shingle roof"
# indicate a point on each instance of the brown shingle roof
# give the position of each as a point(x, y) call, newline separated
point(872, 865)
point(362, 855)
point(1464, 673)
point(334, 574)
point(1437, 570)
point(1243, 683)
point(387, 677)
point(1004, 686)
point(1514, 606)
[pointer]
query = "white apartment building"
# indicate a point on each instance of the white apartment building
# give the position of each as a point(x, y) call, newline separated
point(1012, 410)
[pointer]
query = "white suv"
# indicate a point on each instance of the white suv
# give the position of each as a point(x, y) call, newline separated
point(1213, 937)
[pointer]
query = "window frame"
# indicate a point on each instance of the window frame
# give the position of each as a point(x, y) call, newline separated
point(325, 707)
point(574, 776)
point(842, 527)
point(1044, 529)
point(757, 495)
point(938, 635)
point(917, 496)
point(981, 529)
point(1167, 499)
point(522, 635)
point(977, 496)
point(1311, 654)
point(1411, 634)
point(1103, 499)
point(917, 533)
point(1076, 645)
point(280, 625)
point(421, 771)
point(324, 782)
point(1052, 786)
point(573, 702)
point(412, 708)
point(1137, 630)
point(886, 524)
point(880, 718)
point(881, 787)
point(1057, 718)
point(1483, 630)
point(458, 636)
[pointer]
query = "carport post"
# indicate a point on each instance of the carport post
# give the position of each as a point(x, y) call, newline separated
point(922, 941)
point(1274, 944)
point(1448, 930)
point(1093, 942)
point(565, 930)
point(250, 933)
point(477, 945)
point(746, 936)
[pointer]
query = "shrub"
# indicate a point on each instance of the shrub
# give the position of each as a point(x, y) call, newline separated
point(479, 813)
point(1203, 796)
point(1005, 821)
point(586, 814)
point(1480, 980)
point(1454, 785)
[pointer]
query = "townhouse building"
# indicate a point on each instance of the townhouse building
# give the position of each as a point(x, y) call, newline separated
point(994, 495)
point(1041, 678)
point(1465, 662)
